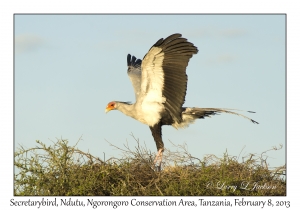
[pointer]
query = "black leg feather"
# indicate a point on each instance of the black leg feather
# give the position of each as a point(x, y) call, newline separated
point(156, 133)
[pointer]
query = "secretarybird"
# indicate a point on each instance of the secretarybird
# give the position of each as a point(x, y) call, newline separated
point(160, 83)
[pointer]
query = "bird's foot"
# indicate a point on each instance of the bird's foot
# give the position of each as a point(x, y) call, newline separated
point(158, 160)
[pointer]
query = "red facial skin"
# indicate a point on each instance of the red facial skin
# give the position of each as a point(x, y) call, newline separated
point(110, 106)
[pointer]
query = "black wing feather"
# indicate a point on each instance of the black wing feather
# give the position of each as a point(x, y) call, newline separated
point(136, 63)
point(177, 53)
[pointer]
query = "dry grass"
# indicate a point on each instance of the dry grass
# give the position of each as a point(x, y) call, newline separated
point(61, 169)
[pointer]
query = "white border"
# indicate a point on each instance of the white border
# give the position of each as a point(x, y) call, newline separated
point(8, 8)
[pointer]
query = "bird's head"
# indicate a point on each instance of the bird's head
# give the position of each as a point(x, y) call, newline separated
point(110, 106)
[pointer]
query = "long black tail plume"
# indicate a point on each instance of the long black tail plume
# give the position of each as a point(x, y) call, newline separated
point(207, 112)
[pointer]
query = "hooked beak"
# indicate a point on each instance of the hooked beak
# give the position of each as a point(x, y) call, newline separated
point(107, 109)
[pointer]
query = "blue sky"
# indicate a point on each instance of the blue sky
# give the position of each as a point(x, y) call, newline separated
point(68, 67)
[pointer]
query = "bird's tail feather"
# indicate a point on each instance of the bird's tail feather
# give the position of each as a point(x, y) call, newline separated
point(207, 112)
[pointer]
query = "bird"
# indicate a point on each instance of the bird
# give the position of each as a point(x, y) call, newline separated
point(160, 84)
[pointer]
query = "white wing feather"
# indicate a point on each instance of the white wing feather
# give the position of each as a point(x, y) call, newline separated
point(152, 81)
point(134, 73)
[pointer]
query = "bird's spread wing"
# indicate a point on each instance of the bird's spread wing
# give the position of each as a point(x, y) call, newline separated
point(134, 73)
point(164, 79)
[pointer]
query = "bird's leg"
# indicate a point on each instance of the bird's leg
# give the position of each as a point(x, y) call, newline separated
point(156, 133)
point(158, 158)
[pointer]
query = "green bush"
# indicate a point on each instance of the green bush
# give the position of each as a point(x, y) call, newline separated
point(61, 169)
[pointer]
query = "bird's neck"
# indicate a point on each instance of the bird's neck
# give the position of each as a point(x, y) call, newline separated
point(127, 109)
